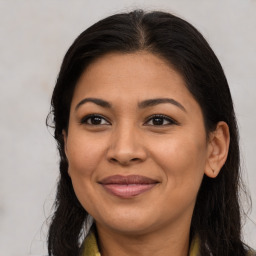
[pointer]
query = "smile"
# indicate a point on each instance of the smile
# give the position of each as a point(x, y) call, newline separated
point(127, 186)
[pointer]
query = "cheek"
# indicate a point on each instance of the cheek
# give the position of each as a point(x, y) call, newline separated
point(182, 160)
point(83, 155)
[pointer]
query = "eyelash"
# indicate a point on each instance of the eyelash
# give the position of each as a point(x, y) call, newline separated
point(163, 119)
point(88, 117)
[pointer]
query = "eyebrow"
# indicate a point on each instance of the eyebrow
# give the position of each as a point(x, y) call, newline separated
point(143, 104)
point(96, 101)
point(154, 102)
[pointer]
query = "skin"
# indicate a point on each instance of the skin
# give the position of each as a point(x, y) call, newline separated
point(127, 141)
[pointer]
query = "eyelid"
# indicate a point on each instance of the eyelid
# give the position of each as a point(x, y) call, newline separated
point(85, 118)
point(168, 118)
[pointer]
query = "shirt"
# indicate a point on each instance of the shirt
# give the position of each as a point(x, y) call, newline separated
point(90, 247)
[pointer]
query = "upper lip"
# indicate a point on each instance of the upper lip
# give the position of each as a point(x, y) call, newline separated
point(125, 180)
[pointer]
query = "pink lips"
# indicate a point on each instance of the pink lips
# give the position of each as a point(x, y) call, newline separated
point(127, 186)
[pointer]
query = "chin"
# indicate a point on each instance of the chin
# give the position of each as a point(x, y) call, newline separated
point(129, 223)
point(130, 228)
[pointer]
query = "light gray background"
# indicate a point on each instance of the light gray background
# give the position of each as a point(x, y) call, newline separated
point(34, 36)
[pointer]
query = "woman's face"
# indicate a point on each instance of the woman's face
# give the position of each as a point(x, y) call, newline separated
point(136, 144)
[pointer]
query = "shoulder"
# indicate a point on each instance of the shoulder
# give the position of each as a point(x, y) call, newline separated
point(250, 251)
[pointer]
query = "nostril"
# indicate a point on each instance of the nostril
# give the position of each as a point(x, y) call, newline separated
point(124, 161)
point(113, 160)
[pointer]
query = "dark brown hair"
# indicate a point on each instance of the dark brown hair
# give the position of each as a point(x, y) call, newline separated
point(216, 218)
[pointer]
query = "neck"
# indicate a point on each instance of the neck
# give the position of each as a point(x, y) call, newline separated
point(161, 242)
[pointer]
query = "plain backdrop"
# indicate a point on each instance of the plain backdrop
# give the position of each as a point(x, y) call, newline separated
point(34, 36)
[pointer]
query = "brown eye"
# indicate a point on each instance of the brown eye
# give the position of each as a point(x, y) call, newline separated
point(95, 120)
point(160, 120)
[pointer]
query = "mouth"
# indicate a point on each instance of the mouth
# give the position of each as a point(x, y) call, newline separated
point(127, 186)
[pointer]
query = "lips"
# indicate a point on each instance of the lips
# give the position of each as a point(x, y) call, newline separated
point(127, 186)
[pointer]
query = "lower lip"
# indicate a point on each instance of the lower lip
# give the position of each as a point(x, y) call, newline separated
point(128, 191)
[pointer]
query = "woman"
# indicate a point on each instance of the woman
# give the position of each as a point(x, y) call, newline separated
point(148, 143)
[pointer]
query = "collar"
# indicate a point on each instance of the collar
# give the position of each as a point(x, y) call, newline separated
point(90, 247)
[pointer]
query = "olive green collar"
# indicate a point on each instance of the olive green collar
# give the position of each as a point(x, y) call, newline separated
point(90, 247)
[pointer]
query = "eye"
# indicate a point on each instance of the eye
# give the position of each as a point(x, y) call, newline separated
point(160, 120)
point(94, 119)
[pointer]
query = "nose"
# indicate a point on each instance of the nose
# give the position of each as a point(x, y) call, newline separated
point(126, 147)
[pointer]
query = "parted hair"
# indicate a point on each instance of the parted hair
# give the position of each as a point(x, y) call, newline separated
point(217, 214)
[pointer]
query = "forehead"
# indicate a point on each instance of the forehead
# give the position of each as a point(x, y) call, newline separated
point(132, 76)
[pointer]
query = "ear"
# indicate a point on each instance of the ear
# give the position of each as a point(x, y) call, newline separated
point(218, 147)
